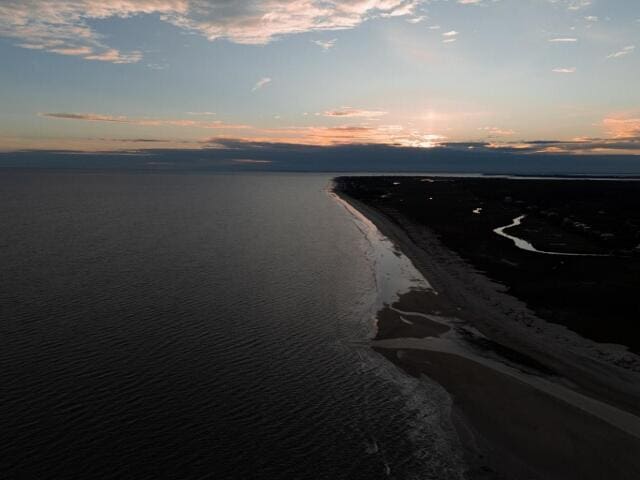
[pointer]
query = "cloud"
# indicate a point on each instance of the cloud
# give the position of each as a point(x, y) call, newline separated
point(578, 4)
point(417, 19)
point(622, 127)
point(68, 27)
point(261, 83)
point(230, 154)
point(450, 36)
point(326, 44)
point(200, 113)
point(623, 52)
point(357, 134)
point(577, 146)
point(564, 70)
point(402, 10)
point(625, 138)
point(563, 40)
point(627, 145)
point(88, 117)
point(158, 66)
point(250, 161)
point(258, 22)
point(572, 5)
point(61, 26)
point(591, 18)
point(348, 134)
point(497, 131)
point(72, 51)
point(115, 56)
point(622, 137)
point(146, 122)
point(355, 137)
point(354, 112)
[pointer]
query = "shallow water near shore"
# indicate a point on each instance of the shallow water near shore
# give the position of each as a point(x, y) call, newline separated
point(203, 326)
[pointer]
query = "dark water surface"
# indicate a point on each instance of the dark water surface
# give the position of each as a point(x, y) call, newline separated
point(198, 326)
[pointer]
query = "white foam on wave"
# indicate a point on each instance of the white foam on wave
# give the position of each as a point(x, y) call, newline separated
point(395, 275)
point(427, 406)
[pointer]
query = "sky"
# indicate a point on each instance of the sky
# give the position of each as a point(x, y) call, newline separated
point(541, 75)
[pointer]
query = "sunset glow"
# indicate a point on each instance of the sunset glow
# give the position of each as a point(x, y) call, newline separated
point(92, 75)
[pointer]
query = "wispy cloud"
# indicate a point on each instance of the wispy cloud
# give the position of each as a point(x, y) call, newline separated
point(564, 70)
point(578, 4)
point(354, 112)
point(450, 36)
point(66, 27)
point(250, 161)
point(497, 131)
point(96, 52)
point(78, 51)
point(563, 40)
point(88, 117)
point(572, 4)
point(146, 122)
point(417, 19)
point(115, 56)
point(623, 52)
point(261, 83)
point(326, 44)
point(158, 66)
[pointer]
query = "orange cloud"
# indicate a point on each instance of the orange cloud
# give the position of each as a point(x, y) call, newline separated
point(391, 134)
point(350, 134)
point(622, 127)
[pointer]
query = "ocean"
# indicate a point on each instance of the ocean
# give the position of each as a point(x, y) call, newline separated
point(200, 326)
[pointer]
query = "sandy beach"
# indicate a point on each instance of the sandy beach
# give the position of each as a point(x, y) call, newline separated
point(532, 399)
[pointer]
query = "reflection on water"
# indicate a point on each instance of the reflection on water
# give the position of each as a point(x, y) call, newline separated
point(201, 326)
point(524, 245)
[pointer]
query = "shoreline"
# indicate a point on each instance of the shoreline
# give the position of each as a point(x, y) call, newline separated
point(530, 397)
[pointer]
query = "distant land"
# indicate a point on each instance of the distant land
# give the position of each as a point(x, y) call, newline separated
point(236, 155)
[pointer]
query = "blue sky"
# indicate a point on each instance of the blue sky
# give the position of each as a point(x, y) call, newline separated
point(95, 75)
